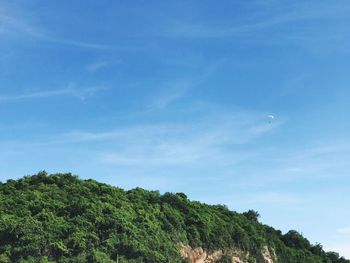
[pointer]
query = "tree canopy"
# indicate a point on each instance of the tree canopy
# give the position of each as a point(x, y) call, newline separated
point(60, 218)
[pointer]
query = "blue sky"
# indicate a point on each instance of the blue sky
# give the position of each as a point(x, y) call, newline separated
point(174, 95)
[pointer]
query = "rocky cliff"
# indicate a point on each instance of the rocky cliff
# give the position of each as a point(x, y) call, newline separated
point(200, 255)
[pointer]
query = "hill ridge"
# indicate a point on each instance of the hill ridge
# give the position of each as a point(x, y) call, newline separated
point(61, 218)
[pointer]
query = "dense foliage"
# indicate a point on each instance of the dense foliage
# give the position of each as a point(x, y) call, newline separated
point(60, 218)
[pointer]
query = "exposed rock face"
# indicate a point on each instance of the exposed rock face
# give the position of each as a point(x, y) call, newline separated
point(199, 255)
point(267, 256)
point(236, 259)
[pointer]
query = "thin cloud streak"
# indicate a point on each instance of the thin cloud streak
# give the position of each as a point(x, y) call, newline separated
point(174, 90)
point(93, 67)
point(75, 43)
point(70, 91)
point(177, 90)
point(208, 139)
point(296, 13)
point(182, 145)
point(294, 26)
point(310, 165)
point(14, 26)
point(11, 25)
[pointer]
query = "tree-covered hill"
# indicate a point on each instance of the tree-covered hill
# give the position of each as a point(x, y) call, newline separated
point(60, 218)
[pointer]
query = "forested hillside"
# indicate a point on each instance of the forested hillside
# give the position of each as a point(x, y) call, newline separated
point(60, 218)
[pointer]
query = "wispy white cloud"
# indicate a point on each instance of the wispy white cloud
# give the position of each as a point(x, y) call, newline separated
point(276, 25)
point(156, 150)
point(210, 140)
point(14, 26)
point(102, 64)
point(93, 67)
point(320, 161)
point(172, 90)
point(75, 43)
point(170, 93)
point(70, 91)
point(213, 138)
point(313, 161)
point(288, 14)
point(10, 25)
